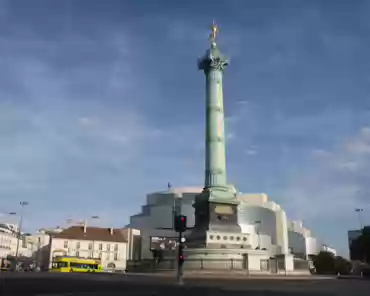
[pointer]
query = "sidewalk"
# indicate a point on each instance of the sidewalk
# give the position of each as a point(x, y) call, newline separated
point(233, 275)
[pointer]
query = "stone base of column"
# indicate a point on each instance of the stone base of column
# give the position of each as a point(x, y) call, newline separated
point(216, 216)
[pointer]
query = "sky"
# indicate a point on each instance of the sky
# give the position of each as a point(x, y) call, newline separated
point(101, 102)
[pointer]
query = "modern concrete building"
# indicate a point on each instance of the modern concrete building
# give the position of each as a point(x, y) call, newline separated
point(263, 223)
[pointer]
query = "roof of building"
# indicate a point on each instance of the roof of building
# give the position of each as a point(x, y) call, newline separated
point(93, 233)
point(179, 190)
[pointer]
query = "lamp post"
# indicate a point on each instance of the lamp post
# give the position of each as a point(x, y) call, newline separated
point(359, 214)
point(23, 204)
point(93, 242)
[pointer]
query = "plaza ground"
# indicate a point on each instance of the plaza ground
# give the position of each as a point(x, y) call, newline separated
point(48, 284)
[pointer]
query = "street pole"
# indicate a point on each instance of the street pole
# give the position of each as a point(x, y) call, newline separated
point(93, 242)
point(23, 204)
point(180, 261)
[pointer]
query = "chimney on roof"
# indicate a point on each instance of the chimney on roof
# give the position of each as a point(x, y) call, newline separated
point(111, 230)
point(85, 226)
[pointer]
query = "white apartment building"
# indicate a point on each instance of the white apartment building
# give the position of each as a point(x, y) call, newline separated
point(8, 242)
point(41, 246)
point(108, 245)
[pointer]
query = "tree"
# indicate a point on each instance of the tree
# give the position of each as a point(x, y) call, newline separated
point(342, 265)
point(324, 263)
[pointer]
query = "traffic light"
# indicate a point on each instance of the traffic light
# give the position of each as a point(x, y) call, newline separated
point(180, 223)
point(181, 259)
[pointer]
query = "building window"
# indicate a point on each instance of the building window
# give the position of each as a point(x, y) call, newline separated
point(66, 244)
point(90, 246)
point(238, 238)
point(116, 247)
point(115, 256)
point(100, 247)
point(77, 245)
point(99, 255)
point(77, 254)
point(108, 247)
point(225, 237)
point(108, 256)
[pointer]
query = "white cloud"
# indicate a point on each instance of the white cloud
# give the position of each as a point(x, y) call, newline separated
point(360, 144)
point(251, 150)
point(65, 140)
point(88, 121)
point(333, 184)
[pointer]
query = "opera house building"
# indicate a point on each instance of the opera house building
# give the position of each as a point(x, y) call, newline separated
point(264, 225)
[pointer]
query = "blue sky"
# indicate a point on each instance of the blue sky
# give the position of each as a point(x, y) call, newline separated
point(101, 102)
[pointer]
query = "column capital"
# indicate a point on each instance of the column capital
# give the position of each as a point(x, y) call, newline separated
point(213, 60)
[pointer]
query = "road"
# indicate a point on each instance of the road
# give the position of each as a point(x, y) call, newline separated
point(48, 284)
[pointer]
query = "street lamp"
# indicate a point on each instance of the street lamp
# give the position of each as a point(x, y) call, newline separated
point(93, 242)
point(23, 204)
point(359, 211)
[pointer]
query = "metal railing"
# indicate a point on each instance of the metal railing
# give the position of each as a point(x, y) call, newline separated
point(159, 265)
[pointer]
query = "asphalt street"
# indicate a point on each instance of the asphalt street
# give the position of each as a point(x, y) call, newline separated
point(48, 284)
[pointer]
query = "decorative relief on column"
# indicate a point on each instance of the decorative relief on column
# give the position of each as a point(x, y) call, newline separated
point(214, 109)
point(215, 139)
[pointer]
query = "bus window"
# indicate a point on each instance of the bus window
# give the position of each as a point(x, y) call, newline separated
point(59, 264)
point(76, 265)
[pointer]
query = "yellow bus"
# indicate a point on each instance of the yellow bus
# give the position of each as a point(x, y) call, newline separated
point(75, 264)
point(5, 264)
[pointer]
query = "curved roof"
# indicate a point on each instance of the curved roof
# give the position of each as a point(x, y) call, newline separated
point(180, 190)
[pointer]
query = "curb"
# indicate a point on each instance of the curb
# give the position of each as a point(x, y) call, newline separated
point(353, 277)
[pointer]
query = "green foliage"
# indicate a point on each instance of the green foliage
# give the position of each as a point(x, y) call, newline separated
point(327, 263)
point(324, 263)
point(342, 265)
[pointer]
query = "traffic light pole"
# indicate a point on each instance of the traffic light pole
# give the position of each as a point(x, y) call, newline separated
point(180, 261)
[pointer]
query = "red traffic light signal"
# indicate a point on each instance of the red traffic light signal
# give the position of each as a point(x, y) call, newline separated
point(181, 260)
point(180, 223)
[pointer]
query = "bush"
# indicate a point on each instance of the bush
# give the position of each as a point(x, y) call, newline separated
point(342, 266)
point(327, 263)
point(324, 263)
